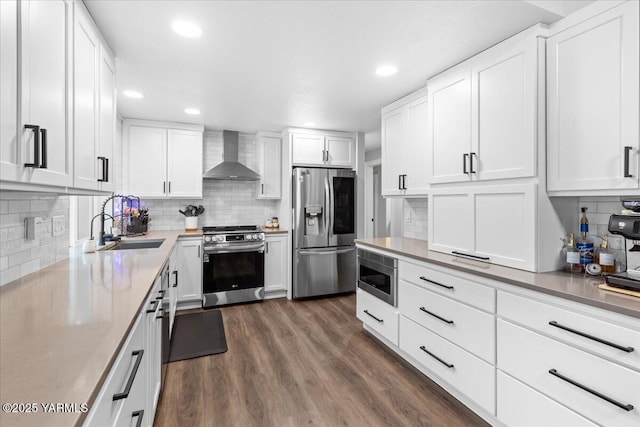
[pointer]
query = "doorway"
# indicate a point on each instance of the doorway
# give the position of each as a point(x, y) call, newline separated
point(379, 211)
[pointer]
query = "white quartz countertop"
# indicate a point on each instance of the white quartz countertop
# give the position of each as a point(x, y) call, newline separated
point(579, 288)
point(62, 327)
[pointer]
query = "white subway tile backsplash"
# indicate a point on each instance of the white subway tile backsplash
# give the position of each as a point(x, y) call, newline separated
point(18, 256)
point(415, 214)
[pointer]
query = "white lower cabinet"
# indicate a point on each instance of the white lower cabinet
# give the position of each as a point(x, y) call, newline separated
point(522, 406)
point(377, 315)
point(276, 266)
point(464, 371)
point(129, 396)
point(600, 390)
point(190, 270)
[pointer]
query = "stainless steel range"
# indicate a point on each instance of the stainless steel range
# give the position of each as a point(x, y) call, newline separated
point(233, 265)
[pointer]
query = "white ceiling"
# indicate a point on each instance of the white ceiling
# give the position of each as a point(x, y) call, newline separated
point(266, 65)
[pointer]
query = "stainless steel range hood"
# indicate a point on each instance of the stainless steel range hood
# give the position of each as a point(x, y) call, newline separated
point(230, 168)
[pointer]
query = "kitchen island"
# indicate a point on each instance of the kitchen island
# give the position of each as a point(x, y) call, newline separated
point(62, 327)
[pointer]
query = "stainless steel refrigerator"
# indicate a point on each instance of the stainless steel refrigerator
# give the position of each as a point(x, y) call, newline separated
point(324, 229)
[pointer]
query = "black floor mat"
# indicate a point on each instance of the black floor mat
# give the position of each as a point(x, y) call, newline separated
point(197, 335)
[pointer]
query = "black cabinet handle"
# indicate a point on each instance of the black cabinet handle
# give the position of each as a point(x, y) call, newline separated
point(36, 146)
point(627, 150)
point(175, 273)
point(591, 337)
point(43, 154)
point(160, 314)
point(140, 415)
point(471, 156)
point(627, 407)
point(102, 179)
point(164, 186)
point(436, 283)
point(132, 376)
point(404, 182)
point(399, 182)
point(161, 296)
point(483, 258)
point(378, 319)
point(436, 316)
point(448, 365)
point(154, 303)
point(106, 169)
point(169, 186)
point(464, 163)
point(261, 188)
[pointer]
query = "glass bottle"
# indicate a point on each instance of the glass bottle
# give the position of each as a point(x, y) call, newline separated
point(584, 243)
point(606, 257)
point(571, 256)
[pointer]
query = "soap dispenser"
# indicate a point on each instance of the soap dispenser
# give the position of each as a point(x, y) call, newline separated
point(605, 257)
point(570, 255)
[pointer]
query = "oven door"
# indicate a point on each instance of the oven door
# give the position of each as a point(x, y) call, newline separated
point(377, 279)
point(230, 271)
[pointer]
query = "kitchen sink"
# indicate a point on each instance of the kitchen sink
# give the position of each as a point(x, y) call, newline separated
point(140, 244)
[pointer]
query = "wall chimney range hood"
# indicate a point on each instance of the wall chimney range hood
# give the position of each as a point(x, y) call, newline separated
point(230, 168)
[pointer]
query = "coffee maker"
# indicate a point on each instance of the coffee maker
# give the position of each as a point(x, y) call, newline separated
point(627, 226)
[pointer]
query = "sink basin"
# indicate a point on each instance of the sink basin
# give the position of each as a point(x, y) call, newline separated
point(140, 244)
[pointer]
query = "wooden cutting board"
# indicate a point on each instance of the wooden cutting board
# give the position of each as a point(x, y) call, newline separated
point(619, 290)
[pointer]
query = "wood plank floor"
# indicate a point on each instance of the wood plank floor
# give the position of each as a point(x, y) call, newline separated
point(293, 363)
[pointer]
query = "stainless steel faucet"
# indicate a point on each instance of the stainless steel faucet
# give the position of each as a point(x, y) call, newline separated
point(101, 239)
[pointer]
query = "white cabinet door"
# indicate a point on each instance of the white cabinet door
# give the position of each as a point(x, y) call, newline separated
point(190, 270)
point(86, 65)
point(275, 264)
point(593, 102)
point(107, 120)
point(269, 165)
point(504, 113)
point(308, 150)
point(174, 283)
point(147, 161)
point(451, 225)
point(415, 150)
point(10, 166)
point(340, 151)
point(393, 154)
point(450, 126)
point(184, 163)
point(47, 27)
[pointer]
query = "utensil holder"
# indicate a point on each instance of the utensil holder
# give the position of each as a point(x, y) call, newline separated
point(190, 223)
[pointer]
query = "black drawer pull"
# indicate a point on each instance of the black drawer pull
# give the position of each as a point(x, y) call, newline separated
point(154, 303)
point(132, 376)
point(36, 146)
point(161, 294)
point(448, 365)
point(591, 337)
point(140, 415)
point(627, 407)
point(483, 258)
point(160, 314)
point(436, 283)
point(378, 319)
point(436, 316)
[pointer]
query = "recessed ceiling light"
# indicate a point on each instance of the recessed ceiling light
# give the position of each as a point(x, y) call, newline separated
point(386, 70)
point(192, 111)
point(132, 94)
point(309, 124)
point(186, 29)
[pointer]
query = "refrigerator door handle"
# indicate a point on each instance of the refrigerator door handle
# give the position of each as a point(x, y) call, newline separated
point(331, 208)
point(327, 207)
point(326, 252)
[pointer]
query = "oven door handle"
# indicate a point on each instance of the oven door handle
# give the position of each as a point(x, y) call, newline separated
point(259, 249)
point(326, 252)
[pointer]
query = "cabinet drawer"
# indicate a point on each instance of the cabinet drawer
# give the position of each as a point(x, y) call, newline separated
point(378, 315)
point(472, 376)
point(537, 361)
point(519, 405)
point(449, 285)
point(622, 344)
point(465, 326)
point(106, 411)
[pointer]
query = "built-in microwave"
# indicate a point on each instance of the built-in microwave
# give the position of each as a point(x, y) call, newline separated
point(378, 275)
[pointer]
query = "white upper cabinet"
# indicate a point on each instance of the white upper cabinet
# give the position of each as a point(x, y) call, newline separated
point(404, 146)
point(318, 149)
point(483, 115)
point(593, 104)
point(107, 121)
point(162, 160)
point(39, 149)
point(269, 150)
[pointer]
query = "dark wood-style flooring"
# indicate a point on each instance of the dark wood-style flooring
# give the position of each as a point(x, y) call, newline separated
point(293, 363)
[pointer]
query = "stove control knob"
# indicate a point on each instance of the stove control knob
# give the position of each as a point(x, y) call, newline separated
point(207, 238)
point(249, 237)
point(220, 239)
point(259, 236)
